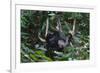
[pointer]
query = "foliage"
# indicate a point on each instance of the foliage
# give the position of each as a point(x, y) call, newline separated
point(34, 22)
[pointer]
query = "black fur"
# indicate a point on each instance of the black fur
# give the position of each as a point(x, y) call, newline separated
point(56, 41)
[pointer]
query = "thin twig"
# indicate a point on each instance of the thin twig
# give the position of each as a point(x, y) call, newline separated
point(74, 22)
point(47, 27)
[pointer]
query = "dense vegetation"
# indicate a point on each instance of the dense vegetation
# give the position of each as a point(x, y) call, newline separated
point(33, 23)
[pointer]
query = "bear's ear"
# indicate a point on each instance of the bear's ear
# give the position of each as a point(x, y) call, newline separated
point(69, 37)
